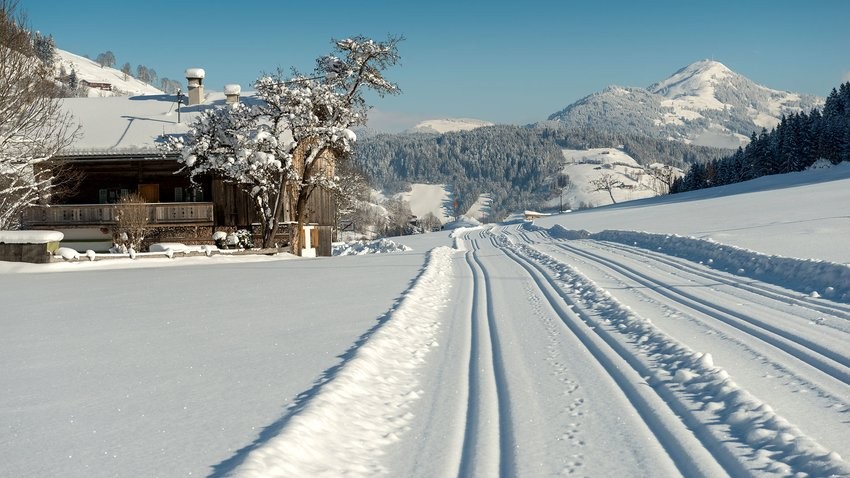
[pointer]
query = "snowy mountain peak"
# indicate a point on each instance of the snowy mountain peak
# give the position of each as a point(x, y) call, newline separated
point(695, 79)
point(704, 103)
point(447, 125)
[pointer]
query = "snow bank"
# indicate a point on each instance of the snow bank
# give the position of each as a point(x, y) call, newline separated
point(364, 406)
point(30, 237)
point(827, 279)
point(379, 246)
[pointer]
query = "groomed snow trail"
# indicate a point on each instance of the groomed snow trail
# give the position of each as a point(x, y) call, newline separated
point(560, 355)
point(364, 407)
point(592, 358)
point(776, 400)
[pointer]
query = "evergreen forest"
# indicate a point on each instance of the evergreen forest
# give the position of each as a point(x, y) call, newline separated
point(795, 144)
point(516, 165)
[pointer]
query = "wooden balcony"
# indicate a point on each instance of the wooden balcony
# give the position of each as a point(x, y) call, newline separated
point(80, 215)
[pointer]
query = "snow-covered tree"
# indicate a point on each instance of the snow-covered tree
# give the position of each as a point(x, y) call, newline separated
point(285, 148)
point(607, 182)
point(663, 176)
point(148, 75)
point(169, 86)
point(127, 70)
point(106, 58)
point(33, 127)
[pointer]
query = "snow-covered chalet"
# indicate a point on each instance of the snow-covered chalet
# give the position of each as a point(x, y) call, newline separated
point(118, 154)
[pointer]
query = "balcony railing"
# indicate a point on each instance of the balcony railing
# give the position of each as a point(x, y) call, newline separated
point(164, 213)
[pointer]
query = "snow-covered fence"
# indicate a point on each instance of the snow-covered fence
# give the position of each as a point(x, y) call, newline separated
point(29, 246)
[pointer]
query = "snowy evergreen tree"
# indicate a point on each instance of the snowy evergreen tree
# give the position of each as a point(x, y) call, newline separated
point(795, 144)
point(73, 81)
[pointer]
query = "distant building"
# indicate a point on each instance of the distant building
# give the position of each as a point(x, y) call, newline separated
point(97, 85)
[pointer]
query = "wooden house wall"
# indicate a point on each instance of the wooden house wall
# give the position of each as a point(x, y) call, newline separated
point(233, 207)
point(321, 207)
point(127, 175)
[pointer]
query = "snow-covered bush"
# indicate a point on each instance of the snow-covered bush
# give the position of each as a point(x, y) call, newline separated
point(241, 239)
point(131, 216)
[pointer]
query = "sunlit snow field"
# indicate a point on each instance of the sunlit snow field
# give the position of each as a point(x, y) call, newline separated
point(185, 366)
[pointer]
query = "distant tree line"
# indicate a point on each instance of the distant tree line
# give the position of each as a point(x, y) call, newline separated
point(516, 165)
point(795, 144)
point(509, 162)
point(644, 149)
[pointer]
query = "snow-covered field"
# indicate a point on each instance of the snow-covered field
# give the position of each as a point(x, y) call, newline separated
point(433, 198)
point(661, 337)
point(585, 166)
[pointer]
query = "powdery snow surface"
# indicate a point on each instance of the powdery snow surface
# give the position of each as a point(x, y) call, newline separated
point(365, 408)
point(433, 198)
point(695, 335)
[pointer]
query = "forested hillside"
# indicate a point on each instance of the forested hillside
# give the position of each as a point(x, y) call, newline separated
point(795, 144)
point(511, 163)
point(514, 164)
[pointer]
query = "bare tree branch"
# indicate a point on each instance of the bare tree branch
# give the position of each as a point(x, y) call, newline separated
point(33, 127)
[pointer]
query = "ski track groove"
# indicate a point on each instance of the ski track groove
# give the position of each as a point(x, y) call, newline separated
point(487, 385)
point(777, 446)
point(692, 450)
point(825, 360)
point(776, 293)
point(780, 367)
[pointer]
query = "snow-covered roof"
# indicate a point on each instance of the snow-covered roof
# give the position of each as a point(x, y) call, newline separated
point(232, 89)
point(132, 124)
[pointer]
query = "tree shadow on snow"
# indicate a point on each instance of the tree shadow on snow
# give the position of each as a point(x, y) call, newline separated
point(224, 468)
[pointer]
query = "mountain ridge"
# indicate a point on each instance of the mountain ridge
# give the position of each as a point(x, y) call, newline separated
point(704, 103)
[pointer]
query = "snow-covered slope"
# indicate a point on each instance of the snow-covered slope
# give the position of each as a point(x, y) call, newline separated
point(447, 125)
point(430, 198)
point(704, 103)
point(90, 71)
point(586, 166)
point(437, 199)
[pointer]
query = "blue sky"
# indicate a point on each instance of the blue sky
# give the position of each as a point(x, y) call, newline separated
point(507, 62)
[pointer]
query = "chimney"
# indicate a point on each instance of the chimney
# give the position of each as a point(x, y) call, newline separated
point(231, 93)
point(195, 82)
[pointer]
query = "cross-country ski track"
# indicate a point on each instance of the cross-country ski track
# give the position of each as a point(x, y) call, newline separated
point(543, 355)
